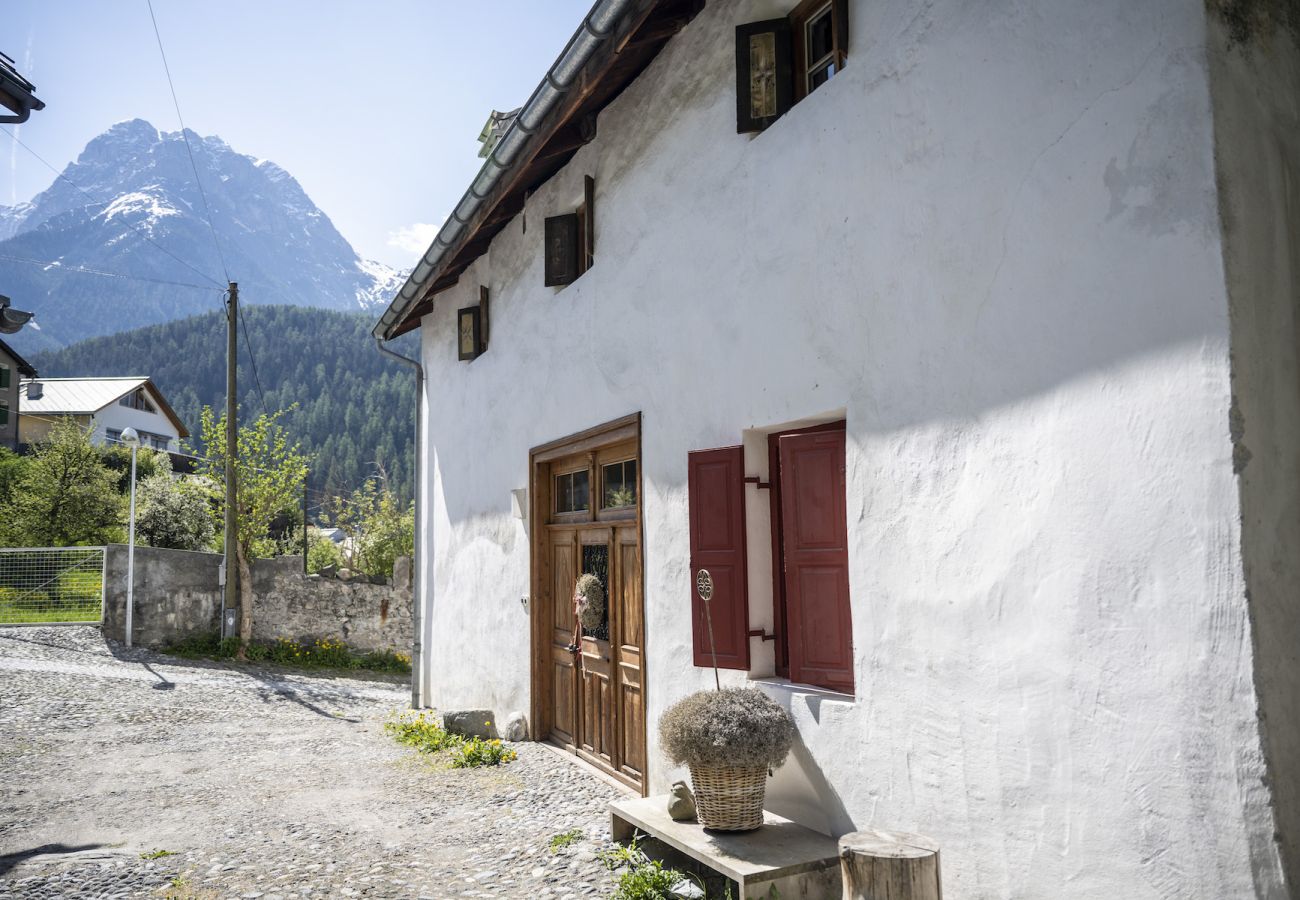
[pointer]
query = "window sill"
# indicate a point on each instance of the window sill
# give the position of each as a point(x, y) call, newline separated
point(796, 689)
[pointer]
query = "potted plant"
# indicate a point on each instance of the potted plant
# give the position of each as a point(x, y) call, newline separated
point(730, 739)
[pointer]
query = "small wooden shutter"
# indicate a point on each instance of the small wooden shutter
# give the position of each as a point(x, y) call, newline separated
point(814, 531)
point(716, 487)
point(588, 222)
point(764, 73)
point(561, 249)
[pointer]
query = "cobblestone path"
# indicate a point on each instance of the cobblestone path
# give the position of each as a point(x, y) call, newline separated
point(260, 785)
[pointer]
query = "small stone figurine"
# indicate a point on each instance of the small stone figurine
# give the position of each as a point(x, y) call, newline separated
point(681, 803)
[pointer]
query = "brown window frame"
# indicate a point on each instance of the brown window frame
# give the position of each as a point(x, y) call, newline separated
point(800, 18)
point(780, 624)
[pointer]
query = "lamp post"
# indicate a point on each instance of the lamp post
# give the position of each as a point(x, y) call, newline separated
point(132, 440)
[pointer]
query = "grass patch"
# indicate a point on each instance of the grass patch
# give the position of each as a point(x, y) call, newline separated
point(320, 654)
point(157, 854)
point(564, 839)
point(423, 731)
point(72, 596)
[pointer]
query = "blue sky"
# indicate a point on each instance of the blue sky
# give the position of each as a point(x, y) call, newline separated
point(373, 107)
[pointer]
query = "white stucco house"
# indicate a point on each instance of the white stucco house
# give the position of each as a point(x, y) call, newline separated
point(107, 406)
point(959, 343)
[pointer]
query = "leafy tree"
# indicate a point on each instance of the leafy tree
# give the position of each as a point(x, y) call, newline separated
point(380, 526)
point(12, 467)
point(322, 552)
point(174, 513)
point(148, 462)
point(269, 475)
point(64, 495)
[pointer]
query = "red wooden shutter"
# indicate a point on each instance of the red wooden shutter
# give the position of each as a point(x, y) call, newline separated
point(716, 487)
point(814, 530)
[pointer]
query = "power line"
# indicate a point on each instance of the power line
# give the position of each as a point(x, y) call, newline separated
point(97, 202)
point(248, 345)
point(58, 264)
point(188, 149)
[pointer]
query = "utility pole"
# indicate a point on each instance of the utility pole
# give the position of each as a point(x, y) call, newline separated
point(230, 597)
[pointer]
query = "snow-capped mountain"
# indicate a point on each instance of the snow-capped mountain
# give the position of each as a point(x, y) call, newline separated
point(129, 206)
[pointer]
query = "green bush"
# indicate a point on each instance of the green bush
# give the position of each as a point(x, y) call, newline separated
point(174, 513)
point(320, 654)
point(421, 731)
point(476, 752)
point(322, 552)
point(642, 878)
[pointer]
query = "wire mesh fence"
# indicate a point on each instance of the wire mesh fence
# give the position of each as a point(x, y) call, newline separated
point(51, 584)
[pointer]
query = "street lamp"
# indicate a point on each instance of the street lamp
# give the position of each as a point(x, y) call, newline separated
point(132, 440)
point(11, 319)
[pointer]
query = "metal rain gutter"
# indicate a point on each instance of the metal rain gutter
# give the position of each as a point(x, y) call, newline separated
point(595, 30)
point(417, 582)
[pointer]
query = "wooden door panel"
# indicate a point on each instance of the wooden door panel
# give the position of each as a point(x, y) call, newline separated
point(631, 611)
point(814, 531)
point(564, 675)
point(597, 700)
point(632, 722)
point(562, 682)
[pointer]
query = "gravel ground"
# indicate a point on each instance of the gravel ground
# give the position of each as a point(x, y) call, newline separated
point(260, 784)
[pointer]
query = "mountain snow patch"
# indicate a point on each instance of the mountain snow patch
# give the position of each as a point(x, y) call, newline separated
point(139, 202)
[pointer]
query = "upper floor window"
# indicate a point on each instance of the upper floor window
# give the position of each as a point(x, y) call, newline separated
point(138, 399)
point(781, 61)
point(4, 377)
point(570, 240)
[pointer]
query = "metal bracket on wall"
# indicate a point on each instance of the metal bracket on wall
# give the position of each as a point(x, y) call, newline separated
point(757, 482)
point(760, 633)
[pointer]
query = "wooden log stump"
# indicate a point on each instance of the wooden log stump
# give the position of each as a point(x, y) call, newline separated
point(889, 865)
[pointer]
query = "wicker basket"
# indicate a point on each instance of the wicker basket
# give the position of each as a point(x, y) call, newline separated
point(729, 798)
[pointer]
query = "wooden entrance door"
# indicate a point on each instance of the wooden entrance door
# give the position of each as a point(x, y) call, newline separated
point(586, 519)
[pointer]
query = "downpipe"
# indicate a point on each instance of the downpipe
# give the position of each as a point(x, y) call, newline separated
point(417, 550)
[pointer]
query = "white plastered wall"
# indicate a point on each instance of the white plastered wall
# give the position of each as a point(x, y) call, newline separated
point(993, 242)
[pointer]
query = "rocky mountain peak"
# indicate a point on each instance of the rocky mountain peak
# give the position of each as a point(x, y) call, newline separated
point(275, 241)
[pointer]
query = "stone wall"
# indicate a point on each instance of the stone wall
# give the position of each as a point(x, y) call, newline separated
point(178, 595)
point(362, 615)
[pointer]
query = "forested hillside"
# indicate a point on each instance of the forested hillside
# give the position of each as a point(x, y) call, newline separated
point(356, 408)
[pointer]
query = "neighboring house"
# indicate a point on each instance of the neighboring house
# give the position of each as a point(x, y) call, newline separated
point(13, 368)
point(968, 368)
point(106, 405)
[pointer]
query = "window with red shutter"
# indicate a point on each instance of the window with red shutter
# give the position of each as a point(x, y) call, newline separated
point(716, 488)
point(814, 617)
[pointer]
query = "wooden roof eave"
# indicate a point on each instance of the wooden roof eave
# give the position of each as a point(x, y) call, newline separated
point(567, 127)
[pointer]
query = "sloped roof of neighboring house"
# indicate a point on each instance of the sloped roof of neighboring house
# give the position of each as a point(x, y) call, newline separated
point(614, 44)
point(87, 396)
point(24, 367)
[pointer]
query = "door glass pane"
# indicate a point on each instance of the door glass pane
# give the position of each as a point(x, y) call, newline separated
point(580, 498)
point(620, 484)
point(595, 561)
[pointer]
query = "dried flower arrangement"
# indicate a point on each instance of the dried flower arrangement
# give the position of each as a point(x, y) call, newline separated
point(735, 727)
point(590, 598)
